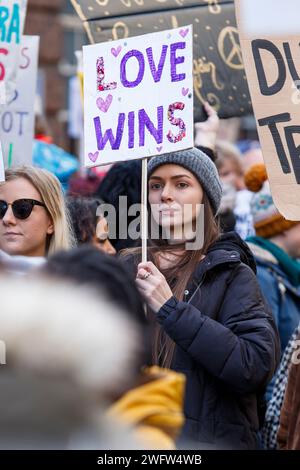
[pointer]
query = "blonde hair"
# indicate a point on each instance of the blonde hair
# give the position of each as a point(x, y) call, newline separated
point(52, 196)
point(227, 151)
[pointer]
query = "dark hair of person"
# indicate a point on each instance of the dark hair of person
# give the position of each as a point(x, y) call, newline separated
point(83, 215)
point(123, 179)
point(227, 221)
point(108, 275)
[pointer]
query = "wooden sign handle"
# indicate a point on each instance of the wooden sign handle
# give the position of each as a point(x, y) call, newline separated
point(144, 215)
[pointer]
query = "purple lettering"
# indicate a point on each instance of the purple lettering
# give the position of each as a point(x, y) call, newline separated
point(22, 114)
point(7, 121)
point(114, 141)
point(156, 73)
point(145, 121)
point(131, 129)
point(140, 58)
point(175, 61)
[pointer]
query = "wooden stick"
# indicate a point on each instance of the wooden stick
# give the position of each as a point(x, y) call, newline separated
point(144, 215)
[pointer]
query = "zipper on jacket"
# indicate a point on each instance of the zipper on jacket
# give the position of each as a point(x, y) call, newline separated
point(197, 288)
point(186, 293)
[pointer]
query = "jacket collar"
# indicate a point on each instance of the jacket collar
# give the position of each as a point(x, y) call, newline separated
point(215, 259)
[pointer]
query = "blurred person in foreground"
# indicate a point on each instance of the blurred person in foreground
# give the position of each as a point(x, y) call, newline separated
point(152, 402)
point(62, 367)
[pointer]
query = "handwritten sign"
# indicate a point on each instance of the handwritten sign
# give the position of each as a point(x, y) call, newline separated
point(272, 61)
point(12, 17)
point(91, 9)
point(2, 174)
point(17, 117)
point(218, 70)
point(138, 96)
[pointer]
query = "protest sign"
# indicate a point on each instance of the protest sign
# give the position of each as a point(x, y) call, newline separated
point(12, 18)
point(138, 96)
point(2, 176)
point(272, 62)
point(17, 117)
point(218, 70)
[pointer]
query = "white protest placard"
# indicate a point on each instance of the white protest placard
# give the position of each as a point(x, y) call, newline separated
point(274, 17)
point(2, 175)
point(12, 18)
point(17, 117)
point(138, 96)
point(272, 62)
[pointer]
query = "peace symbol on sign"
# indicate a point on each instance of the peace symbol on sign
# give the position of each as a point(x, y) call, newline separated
point(230, 49)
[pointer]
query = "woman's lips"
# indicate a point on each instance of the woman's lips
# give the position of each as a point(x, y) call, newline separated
point(169, 211)
point(11, 234)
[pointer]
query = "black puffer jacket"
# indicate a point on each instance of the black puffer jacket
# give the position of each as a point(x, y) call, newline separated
point(227, 346)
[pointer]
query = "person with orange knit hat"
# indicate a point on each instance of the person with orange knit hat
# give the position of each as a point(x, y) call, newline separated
point(276, 248)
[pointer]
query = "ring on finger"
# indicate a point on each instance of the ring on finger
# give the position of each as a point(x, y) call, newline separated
point(146, 276)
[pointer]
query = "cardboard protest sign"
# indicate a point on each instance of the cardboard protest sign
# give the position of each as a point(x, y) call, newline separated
point(218, 70)
point(272, 61)
point(12, 18)
point(138, 96)
point(2, 175)
point(17, 117)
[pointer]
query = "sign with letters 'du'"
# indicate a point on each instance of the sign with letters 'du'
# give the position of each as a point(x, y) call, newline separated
point(17, 117)
point(270, 35)
point(138, 96)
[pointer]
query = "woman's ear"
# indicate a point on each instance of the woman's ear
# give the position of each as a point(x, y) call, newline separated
point(50, 229)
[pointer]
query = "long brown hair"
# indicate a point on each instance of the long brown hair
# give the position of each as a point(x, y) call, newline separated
point(187, 261)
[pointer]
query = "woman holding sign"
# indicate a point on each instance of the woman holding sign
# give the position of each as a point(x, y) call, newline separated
point(33, 218)
point(212, 322)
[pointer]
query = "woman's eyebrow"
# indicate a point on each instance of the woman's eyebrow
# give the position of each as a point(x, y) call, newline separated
point(180, 176)
point(172, 177)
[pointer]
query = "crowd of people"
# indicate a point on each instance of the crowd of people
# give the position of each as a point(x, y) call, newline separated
point(196, 348)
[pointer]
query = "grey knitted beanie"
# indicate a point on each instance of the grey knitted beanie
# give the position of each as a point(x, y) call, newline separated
point(200, 165)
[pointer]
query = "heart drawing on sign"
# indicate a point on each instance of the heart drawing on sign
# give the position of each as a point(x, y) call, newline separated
point(159, 149)
point(93, 156)
point(185, 91)
point(116, 51)
point(104, 105)
point(183, 32)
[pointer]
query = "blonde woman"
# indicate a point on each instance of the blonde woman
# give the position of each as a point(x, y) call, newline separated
point(33, 217)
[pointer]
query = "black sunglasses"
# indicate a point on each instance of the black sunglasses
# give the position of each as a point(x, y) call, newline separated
point(21, 208)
